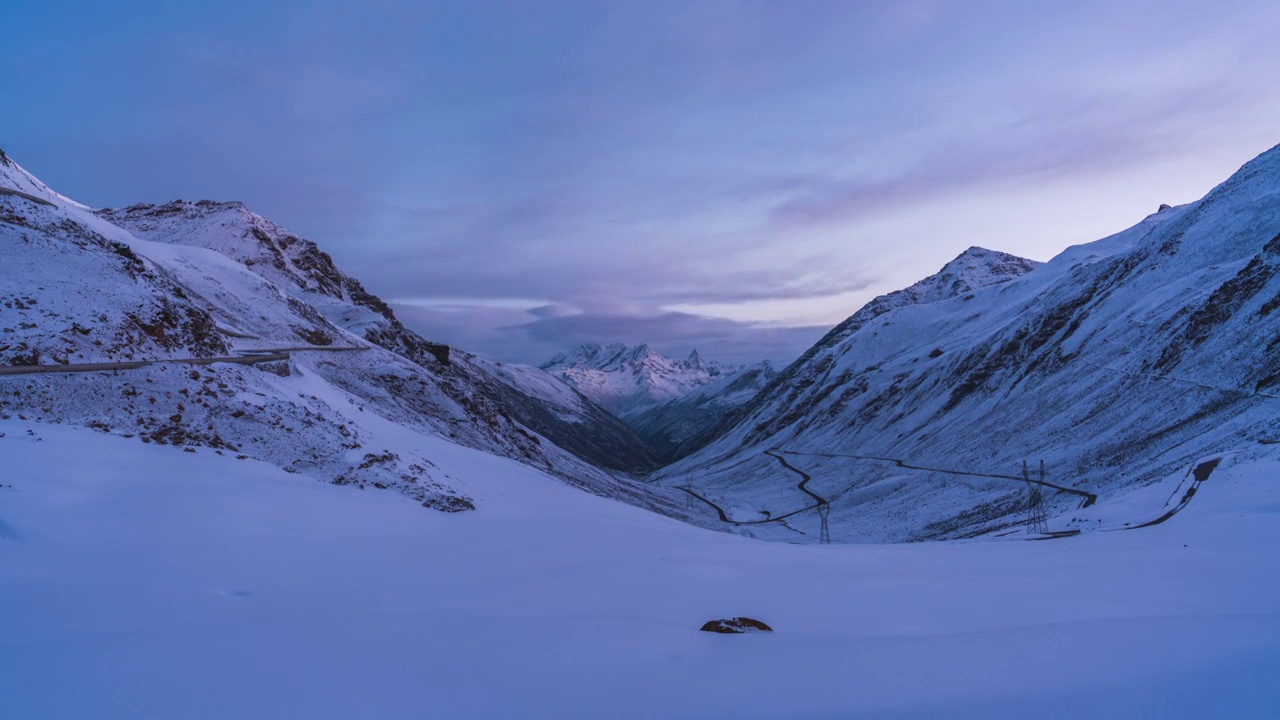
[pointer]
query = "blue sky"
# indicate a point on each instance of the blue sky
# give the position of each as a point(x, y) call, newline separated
point(519, 177)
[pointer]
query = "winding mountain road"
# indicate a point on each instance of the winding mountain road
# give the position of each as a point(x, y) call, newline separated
point(804, 480)
point(253, 357)
point(804, 477)
point(1088, 497)
point(1199, 473)
point(135, 364)
point(26, 196)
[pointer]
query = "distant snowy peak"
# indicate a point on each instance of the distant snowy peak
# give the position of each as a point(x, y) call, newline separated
point(626, 378)
point(617, 356)
point(682, 425)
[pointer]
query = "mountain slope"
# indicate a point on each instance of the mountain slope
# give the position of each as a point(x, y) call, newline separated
point(539, 400)
point(82, 289)
point(1119, 363)
point(309, 275)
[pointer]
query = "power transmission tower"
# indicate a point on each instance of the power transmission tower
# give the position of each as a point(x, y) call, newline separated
point(688, 495)
point(1037, 516)
point(824, 536)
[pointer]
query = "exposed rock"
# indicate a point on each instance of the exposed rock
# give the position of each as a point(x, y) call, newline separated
point(449, 503)
point(736, 625)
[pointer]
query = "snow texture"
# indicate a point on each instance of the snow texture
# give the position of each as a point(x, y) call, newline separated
point(139, 581)
point(1119, 363)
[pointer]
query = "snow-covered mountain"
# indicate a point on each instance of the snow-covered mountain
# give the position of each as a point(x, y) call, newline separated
point(623, 379)
point(681, 425)
point(1118, 363)
point(309, 275)
point(675, 405)
point(212, 280)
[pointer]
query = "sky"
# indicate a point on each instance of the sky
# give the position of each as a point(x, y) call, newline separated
point(732, 176)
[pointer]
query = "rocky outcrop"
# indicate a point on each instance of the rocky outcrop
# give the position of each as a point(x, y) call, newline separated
point(735, 626)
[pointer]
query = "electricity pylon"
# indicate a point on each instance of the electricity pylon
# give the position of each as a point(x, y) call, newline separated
point(688, 494)
point(1037, 516)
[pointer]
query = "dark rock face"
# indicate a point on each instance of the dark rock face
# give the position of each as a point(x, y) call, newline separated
point(449, 503)
point(736, 625)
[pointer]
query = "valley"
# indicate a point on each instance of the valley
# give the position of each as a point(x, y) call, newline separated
point(608, 360)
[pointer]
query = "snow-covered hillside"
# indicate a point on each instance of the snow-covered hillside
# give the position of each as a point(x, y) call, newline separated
point(214, 281)
point(308, 274)
point(140, 582)
point(1119, 363)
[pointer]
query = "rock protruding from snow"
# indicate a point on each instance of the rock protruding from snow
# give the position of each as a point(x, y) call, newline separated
point(735, 626)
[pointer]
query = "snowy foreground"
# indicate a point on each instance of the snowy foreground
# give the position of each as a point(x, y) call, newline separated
point(139, 581)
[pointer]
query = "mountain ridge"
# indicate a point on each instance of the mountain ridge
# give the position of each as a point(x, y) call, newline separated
point(626, 378)
point(675, 405)
point(217, 279)
point(1118, 362)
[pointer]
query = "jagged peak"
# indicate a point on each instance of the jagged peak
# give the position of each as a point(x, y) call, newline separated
point(639, 352)
point(594, 355)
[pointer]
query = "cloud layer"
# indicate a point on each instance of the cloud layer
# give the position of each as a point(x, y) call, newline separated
point(632, 169)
